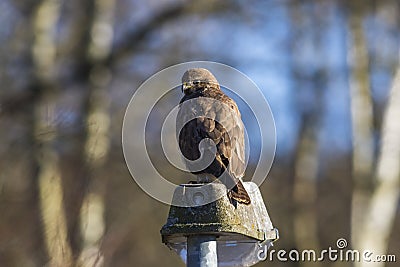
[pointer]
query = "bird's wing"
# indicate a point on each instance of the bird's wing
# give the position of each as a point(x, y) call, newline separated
point(219, 121)
point(237, 162)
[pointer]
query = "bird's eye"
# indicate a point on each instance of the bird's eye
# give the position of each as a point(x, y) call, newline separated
point(196, 82)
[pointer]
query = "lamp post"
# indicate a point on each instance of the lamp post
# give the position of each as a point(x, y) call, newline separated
point(217, 233)
point(202, 251)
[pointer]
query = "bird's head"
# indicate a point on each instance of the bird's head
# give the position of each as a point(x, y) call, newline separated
point(198, 79)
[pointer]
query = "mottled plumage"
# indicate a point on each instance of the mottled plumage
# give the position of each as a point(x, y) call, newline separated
point(211, 114)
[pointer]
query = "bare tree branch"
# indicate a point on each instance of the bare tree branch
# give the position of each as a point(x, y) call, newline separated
point(135, 37)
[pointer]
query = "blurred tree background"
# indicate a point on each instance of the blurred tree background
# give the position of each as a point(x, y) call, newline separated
point(329, 69)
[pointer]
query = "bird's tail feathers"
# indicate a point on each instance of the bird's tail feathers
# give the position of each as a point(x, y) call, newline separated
point(239, 193)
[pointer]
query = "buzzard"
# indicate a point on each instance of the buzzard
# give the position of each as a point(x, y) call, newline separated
point(208, 121)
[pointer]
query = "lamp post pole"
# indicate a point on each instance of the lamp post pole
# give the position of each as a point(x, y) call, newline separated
point(202, 251)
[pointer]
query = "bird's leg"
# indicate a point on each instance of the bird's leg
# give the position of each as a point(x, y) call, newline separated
point(200, 179)
point(204, 178)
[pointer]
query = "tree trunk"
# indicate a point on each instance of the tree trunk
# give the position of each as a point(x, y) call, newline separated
point(362, 117)
point(381, 211)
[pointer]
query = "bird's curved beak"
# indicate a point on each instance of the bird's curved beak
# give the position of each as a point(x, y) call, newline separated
point(186, 86)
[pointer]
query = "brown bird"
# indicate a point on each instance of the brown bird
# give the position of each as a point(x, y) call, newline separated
point(209, 123)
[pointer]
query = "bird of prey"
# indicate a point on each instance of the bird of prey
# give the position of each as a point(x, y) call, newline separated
point(211, 115)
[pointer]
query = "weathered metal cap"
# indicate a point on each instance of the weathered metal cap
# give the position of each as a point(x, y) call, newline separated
point(248, 225)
